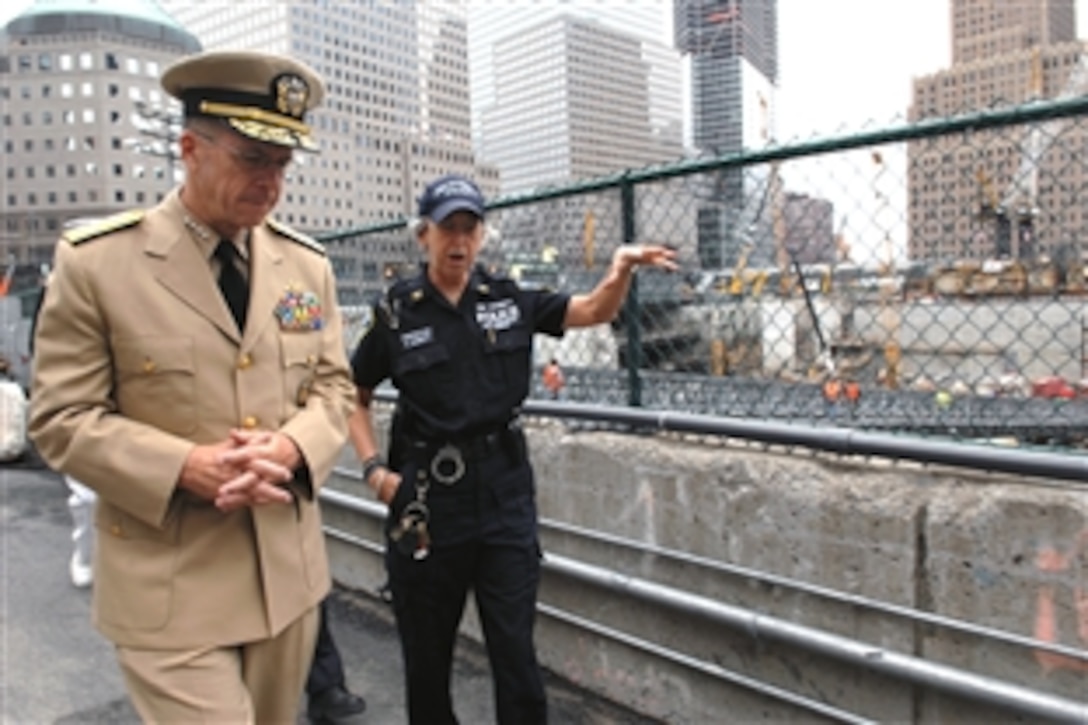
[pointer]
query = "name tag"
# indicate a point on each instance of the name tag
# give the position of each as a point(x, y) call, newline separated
point(415, 338)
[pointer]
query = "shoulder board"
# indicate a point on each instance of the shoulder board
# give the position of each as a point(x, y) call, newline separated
point(295, 236)
point(102, 227)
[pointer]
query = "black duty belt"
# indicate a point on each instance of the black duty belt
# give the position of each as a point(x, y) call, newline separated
point(446, 459)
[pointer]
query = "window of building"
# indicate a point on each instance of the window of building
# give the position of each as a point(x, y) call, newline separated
point(32, 199)
point(72, 197)
point(29, 172)
point(113, 89)
point(119, 196)
point(45, 61)
point(64, 61)
point(86, 61)
point(11, 200)
point(92, 195)
point(132, 65)
point(88, 115)
point(51, 197)
point(68, 117)
point(70, 169)
point(118, 170)
point(28, 145)
point(28, 118)
point(87, 89)
point(153, 68)
point(66, 90)
point(25, 92)
point(26, 63)
point(11, 172)
point(115, 143)
point(90, 168)
point(51, 171)
point(7, 119)
point(88, 143)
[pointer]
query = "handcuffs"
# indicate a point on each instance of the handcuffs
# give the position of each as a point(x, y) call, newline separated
point(448, 465)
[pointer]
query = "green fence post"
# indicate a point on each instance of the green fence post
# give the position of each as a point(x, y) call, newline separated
point(634, 339)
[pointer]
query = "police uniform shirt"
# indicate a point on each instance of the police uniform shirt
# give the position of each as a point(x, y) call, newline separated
point(459, 370)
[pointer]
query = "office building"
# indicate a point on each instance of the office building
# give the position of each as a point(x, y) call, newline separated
point(396, 114)
point(572, 101)
point(733, 45)
point(495, 22)
point(568, 91)
point(1011, 193)
point(73, 77)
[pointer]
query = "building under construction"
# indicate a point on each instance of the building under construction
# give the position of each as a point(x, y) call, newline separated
point(1005, 193)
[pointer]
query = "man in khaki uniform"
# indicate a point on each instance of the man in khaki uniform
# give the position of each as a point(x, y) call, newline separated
point(190, 368)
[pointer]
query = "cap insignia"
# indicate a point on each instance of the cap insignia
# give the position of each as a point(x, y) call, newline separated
point(292, 94)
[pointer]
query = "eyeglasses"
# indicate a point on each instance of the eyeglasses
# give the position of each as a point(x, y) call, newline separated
point(249, 160)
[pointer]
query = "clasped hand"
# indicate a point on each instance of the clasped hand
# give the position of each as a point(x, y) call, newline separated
point(247, 469)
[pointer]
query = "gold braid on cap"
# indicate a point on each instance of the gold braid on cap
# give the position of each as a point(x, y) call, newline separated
point(229, 110)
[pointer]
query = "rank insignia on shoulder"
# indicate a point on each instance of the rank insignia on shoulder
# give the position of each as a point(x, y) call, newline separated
point(101, 227)
point(299, 310)
point(295, 236)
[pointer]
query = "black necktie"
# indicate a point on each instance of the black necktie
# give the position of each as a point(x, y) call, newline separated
point(231, 282)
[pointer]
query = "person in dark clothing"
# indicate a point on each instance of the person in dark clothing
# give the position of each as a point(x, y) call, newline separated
point(329, 702)
point(456, 341)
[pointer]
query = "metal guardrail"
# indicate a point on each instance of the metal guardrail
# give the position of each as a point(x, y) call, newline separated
point(908, 668)
point(832, 439)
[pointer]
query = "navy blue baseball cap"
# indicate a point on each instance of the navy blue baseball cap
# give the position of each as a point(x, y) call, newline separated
point(448, 194)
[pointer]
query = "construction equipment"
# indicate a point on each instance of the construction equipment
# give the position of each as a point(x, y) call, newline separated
point(738, 281)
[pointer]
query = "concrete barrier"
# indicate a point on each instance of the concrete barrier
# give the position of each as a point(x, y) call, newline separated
point(842, 547)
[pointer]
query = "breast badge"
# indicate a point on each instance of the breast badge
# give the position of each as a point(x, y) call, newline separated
point(299, 310)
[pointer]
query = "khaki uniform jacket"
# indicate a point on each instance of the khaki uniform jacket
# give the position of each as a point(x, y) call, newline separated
point(138, 359)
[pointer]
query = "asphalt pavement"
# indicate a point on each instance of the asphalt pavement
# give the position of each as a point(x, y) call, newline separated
point(56, 668)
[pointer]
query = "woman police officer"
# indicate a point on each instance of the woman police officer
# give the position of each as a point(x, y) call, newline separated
point(457, 344)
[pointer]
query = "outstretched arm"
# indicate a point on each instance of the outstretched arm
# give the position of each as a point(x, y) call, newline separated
point(604, 302)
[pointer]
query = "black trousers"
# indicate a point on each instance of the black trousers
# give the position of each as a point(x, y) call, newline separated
point(327, 669)
point(429, 599)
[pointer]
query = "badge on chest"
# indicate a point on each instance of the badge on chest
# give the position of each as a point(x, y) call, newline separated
point(497, 315)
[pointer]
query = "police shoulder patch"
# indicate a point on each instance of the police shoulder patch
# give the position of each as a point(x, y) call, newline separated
point(295, 236)
point(102, 227)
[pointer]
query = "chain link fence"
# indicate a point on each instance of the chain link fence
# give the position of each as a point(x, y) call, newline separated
point(926, 278)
